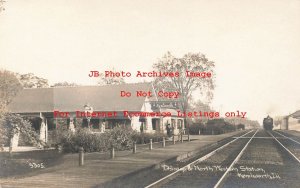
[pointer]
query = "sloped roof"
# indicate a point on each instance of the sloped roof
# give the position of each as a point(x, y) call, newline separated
point(68, 99)
point(296, 114)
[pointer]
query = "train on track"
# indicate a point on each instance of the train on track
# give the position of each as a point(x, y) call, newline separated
point(268, 123)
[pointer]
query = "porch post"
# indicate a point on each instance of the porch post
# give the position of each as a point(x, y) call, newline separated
point(46, 131)
point(71, 126)
point(14, 141)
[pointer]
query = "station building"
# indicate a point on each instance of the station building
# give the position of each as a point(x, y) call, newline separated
point(40, 104)
point(291, 122)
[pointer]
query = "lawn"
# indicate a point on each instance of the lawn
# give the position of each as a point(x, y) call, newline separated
point(25, 163)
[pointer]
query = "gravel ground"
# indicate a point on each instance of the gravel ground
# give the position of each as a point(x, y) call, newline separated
point(148, 176)
point(207, 173)
point(294, 147)
point(264, 164)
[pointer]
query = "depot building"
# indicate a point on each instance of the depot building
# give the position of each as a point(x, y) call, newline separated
point(49, 109)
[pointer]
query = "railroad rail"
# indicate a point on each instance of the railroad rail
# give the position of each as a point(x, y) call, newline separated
point(287, 137)
point(194, 162)
point(222, 180)
point(234, 162)
point(293, 155)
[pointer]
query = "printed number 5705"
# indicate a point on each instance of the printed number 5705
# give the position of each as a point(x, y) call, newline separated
point(36, 165)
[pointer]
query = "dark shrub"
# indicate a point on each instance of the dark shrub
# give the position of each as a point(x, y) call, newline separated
point(219, 126)
point(143, 138)
point(214, 126)
point(120, 138)
point(241, 126)
point(195, 128)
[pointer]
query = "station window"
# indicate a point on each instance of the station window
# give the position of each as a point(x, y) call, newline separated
point(173, 123)
point(153, 124)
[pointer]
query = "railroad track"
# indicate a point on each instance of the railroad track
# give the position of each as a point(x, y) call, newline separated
point(291, 145)
point(257, 158)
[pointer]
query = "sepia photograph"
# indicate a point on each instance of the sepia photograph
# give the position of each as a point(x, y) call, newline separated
point(149, 94)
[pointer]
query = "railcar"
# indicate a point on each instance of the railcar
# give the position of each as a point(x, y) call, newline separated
point(268, 123)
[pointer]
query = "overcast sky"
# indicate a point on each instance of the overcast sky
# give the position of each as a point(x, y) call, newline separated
point(255, 44)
